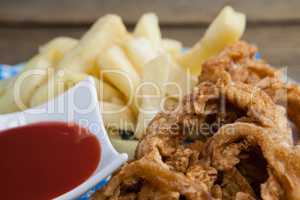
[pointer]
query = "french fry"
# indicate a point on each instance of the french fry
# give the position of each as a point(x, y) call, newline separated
point(107, 31)
point(108, 93)
point(4, 84)
point(139, 51)
point(124, 146)
point(116, 68)
point(156, 75)
point(118, 117)
point(64, 44)
point(180, 81)
point(94, 71)
point(55, 86)
point(173, 47)
point(148, 27)
point(35, 72)
point(171, 103)
point(227, 28)
point(64, 80)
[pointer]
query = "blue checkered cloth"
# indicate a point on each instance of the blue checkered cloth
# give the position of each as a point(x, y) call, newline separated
point(7, 71)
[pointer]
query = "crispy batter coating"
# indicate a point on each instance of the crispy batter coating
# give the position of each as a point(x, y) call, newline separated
point(237, 61)
point(229, 139)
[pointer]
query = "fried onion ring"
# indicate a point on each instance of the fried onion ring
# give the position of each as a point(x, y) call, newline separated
point(229, 139)
point(283, 160)
point(158, 175)
point(239, 63)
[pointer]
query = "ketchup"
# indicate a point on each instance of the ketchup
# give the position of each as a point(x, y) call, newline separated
point(45, 160)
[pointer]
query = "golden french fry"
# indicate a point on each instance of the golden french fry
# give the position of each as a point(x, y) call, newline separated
point(116, 68)
point(227, 28)
point(148, 27)
point(156, 75)
point(171, 103)
point(64, 44)
point(180, 82)
point(118, 117)
point(108, 93)
point(61, 81)
point(139, 52)
point(124, 146)
point(94, 71)
point(107, 31)
point(64, 80)
point(35, 72)
point(173, 47)
point(6, 83)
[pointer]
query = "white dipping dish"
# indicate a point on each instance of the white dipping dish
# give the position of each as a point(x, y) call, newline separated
point(80, 105)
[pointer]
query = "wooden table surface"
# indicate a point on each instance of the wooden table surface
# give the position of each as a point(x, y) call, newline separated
point(273, 25)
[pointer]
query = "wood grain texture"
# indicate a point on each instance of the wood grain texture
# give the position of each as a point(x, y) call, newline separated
point(171, 12)
point(280, 45)
point(19, 44)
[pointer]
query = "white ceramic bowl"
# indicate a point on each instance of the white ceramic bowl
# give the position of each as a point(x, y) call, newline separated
point(80, 105)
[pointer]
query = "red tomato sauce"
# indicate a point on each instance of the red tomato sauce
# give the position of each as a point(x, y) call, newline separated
point(44, 160)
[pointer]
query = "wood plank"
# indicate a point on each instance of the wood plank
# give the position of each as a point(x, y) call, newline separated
point(19, 44)
point(278, 44)
point(170, 11)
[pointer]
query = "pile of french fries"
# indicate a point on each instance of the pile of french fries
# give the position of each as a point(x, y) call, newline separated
point(137, 74)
